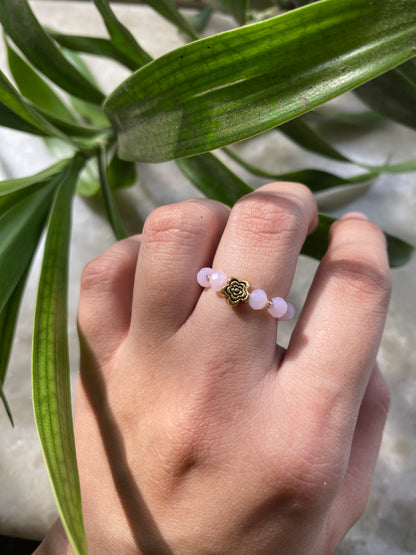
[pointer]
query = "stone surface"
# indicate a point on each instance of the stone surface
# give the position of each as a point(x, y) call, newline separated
point(26, 502)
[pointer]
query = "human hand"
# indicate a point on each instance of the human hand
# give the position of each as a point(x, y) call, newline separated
point(195, 433)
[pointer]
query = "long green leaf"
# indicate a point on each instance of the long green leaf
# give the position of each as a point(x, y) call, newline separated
point(23, 28)
point(306, 137)
point(88, 183)
point(34, 88)
point(71, 129)
point(10, 119)
point(94, 45)
point(109, 202)
point(213, 178)
point(393, 94)
point(50, 378)
point(6, 405)
point(355, 118)
point(231, 86)
point(402, 167)
point(8, 320)
point(121, 36)
point(13, 100)
point(316, 244)
point(238, 8)
point(200, 20)
point(22, 218)
point(316, 180)
point(121, 174)
point(168, 10)
point(90, 113)
point(12, 185)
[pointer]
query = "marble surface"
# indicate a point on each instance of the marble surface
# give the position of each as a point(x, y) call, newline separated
point(26, 502)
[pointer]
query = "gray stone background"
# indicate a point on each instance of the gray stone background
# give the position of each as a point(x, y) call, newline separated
point(26, 503)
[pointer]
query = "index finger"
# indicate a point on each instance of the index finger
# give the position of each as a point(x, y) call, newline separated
point(334, 345)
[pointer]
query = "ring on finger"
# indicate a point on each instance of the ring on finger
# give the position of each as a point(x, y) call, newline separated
point(236, 290)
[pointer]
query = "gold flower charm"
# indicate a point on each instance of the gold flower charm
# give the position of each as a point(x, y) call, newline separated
point(236, 291)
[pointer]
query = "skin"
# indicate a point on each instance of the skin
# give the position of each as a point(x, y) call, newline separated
point(195, 433)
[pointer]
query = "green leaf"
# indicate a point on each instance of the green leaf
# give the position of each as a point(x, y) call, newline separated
point(6, 405)
point(95, 46)
point(213, 178)
point(168, 10)
point(23, 28)
point(316, 180)
point(355, 118)
point(393, 94)
point(238, 8)
point(34, 88)
point(109, 202)
point(75, 59)
point(231, 86)
point(200, 20)
point(399, 251)
point(90, 113)
point(8, 320)
point(50, 377)
point(88, 183)
point(10, 119)
point(121, 174)
point(14, 101)
point(11, 99)
point(12, 185)
point(307, 138)
point(22, 218)
point(71, 129)
point(316, 244)
point(403, 167)
point(121, 37)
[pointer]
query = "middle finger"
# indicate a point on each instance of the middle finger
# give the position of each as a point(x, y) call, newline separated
point(260, 244)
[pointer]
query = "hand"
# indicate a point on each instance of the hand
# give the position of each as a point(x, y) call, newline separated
point(196, 434)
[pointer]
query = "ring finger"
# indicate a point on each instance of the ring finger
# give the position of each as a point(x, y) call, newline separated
point(260, 244)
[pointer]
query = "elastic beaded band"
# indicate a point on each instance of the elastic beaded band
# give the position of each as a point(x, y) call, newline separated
point(237, 291)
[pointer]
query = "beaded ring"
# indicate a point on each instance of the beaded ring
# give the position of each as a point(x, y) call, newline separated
point(237, 291)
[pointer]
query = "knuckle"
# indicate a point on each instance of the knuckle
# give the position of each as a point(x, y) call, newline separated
point(183, 222)
point(364, 280)
point(99, 273)
point(264, 218)
point(312, 481)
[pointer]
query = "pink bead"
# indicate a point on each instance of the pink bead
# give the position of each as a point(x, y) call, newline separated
point(278, 308)
point(290, 312)
point(258, 299)
point(217, 280)
point(202, 276)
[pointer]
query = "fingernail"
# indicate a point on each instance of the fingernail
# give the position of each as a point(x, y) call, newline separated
point(354, 216)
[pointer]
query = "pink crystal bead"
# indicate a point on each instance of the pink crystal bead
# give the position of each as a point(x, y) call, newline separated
point(217, 280)
point(203, 275)
point(258, 299)
point(290, 312)
point(278, 307)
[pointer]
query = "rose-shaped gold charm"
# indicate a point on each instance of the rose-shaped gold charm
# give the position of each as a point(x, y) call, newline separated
point(236, 291)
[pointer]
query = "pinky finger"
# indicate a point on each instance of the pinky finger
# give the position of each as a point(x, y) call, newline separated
point(352, 497)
